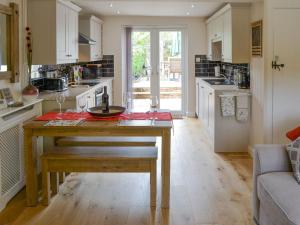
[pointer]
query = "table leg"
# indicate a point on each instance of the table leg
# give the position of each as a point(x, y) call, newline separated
point(30, 167)
point(165, 168)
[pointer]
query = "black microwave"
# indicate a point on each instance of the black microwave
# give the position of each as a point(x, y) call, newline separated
point(55, 84)
point(92, 71)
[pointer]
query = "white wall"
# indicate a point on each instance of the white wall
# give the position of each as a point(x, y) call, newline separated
point(16, 88)
point(196, 39)
point(257, 85)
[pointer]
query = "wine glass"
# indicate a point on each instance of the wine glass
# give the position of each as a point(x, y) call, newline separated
point(153, 103)
point(153, 107)
point(127, 101)
point(60, 99)
point(82, 104)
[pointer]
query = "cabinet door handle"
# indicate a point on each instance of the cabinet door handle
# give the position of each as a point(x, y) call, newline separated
point(210, 93)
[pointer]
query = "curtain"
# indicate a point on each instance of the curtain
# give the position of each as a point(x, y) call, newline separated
point(128, 32)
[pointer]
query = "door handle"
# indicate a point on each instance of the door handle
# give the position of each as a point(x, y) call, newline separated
point(276, 66)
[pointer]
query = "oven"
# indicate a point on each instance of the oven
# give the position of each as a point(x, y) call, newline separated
point(98, 96)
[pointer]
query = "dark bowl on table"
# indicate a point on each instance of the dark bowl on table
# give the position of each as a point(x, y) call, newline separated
point(113, 111)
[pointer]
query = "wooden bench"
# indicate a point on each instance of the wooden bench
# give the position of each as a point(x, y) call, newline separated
point(106, 141)
point(99, 159)
point(96, 141)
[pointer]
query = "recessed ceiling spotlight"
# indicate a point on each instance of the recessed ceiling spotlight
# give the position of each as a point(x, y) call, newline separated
point(188, 13)
point(193, 6)
point(118, 12)
point(110, 5)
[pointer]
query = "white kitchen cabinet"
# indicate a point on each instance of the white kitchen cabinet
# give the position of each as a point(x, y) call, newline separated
point(227, 38)
point(226, 133)
point(202, 102)
point(72, 39)
point(217, 28)
point(62, 46)
point(91, 27)
point(209, 40)
point(231, 26)
point(205, 105)
point(54, 26)
point(211, 111)
point(197, 97)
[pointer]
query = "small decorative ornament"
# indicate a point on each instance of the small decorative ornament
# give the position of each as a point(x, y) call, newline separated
point(30, 92)
point(257, 38)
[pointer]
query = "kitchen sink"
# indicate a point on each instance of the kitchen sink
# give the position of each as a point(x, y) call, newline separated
point(219, 82)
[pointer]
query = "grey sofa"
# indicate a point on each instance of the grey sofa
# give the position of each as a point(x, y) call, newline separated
point(276, 194)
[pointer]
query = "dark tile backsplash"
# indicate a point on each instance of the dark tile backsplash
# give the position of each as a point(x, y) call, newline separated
point(206, 68)
point(107, 69)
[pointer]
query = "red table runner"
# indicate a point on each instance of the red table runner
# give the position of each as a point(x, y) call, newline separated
point(160, 116)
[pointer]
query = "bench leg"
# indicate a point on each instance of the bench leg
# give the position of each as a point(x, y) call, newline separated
point(54, 180)
point(45, 183)
point(153, 184)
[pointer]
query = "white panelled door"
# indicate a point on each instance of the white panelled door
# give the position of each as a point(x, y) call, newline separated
point(286, 81)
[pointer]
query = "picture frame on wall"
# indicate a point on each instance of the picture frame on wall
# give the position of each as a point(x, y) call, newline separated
point(7, 96)
point(257, 38)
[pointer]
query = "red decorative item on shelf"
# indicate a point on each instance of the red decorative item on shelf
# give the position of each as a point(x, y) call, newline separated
point(30, 92)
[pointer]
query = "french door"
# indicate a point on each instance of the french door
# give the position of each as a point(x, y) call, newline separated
point(157, 65)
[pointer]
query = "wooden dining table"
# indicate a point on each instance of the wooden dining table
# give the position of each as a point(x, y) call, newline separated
point(125, 128)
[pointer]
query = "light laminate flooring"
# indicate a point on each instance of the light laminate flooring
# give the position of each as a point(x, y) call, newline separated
point(206, 189)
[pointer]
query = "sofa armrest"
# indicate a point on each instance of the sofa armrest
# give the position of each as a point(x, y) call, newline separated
point(267, 159)
point(270, 158)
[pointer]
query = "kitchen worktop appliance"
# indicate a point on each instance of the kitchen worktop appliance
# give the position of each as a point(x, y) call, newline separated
point(91, 71)
point(51, 84)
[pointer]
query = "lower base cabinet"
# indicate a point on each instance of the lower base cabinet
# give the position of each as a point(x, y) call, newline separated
point(205, 105)
point(226, 133)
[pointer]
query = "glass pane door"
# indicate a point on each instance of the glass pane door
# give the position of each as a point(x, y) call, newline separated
point(156, 66)
point(141, 69)
point(170, 70)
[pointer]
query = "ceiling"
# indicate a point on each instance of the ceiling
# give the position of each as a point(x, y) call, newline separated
point(199, 8)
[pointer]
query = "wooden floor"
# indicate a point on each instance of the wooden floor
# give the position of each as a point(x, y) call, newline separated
point(206, 189)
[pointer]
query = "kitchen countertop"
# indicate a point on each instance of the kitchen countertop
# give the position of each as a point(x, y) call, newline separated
point(74, 91)
point(222, 87)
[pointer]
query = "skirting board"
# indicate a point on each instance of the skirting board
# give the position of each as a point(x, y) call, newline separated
point(250, 150)
point(191, 114)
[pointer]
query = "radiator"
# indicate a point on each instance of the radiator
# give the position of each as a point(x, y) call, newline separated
point(12, 177)
point(10, 159)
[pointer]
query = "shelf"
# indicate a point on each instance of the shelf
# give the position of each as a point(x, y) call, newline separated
point(12, 110)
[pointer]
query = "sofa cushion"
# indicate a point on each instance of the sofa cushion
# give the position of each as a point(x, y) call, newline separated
point(294, 154)
point(279, 195)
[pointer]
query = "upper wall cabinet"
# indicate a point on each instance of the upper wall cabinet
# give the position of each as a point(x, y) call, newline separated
point(231, 27)
point(91, 27)
point(54, 26)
